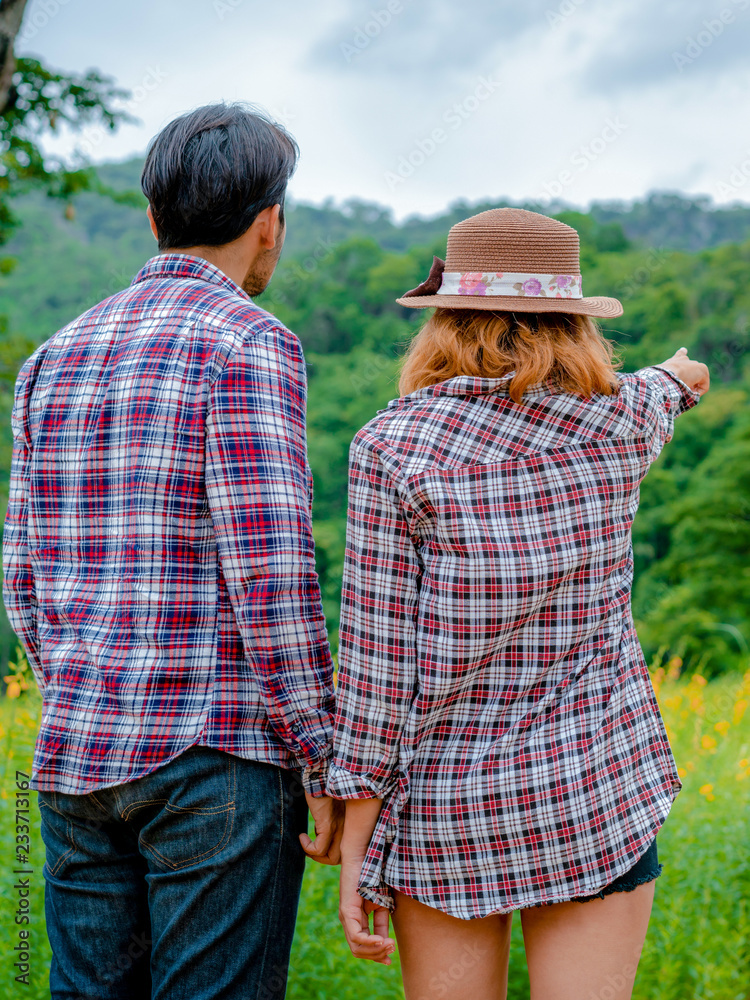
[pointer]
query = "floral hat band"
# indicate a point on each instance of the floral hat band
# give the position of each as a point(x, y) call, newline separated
point(561, 286)
point(512, 283)
point(511, 260)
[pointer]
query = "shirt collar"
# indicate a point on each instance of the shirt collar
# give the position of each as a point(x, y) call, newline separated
point(182, 265)
point(470, 385)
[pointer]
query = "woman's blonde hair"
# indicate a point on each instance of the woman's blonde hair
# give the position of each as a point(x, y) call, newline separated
point(561, 348)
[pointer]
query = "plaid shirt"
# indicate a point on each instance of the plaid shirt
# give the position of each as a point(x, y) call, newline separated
point(492, 689)
point(158, 553)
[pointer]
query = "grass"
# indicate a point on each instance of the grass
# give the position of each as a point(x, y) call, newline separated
point(698, 945)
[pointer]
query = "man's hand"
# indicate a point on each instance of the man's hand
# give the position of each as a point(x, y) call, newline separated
point(693, 373)
point(328, 816)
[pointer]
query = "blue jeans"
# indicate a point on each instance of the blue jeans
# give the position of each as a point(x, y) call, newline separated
point(181, 885)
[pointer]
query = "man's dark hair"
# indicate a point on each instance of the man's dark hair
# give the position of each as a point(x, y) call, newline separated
point(209, 174)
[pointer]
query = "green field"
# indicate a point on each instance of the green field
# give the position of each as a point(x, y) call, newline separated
point(698, 947)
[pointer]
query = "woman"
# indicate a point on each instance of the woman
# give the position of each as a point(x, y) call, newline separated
point(497, 734)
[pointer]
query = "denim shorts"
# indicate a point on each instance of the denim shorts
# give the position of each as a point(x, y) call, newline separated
point(646, 869)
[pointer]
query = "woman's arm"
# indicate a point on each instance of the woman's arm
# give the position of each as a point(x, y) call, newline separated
point(377, 677)
point(658, 394)
point(354, 911)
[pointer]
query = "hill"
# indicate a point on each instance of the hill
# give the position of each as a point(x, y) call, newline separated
point(669, 258)
point(102, 247)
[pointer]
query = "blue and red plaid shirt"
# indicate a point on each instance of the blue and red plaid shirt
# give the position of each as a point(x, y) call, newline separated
point(158, 551)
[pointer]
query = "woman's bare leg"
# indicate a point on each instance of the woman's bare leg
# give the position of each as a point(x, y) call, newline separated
point(442, 956)
point(587, 951)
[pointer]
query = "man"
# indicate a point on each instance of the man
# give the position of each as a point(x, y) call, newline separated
point(159, 570)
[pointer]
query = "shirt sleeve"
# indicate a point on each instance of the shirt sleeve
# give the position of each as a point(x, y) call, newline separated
point(259, 489)
point(19, 594)
point(668, 397)
point(377, 677)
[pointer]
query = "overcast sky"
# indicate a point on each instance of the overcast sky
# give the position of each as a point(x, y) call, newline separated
point(415, 104)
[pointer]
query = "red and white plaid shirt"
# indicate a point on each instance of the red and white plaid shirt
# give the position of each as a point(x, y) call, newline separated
point(158, 552)
point(491, 688)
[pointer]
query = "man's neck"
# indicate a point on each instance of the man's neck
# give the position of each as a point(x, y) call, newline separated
point(233, 263)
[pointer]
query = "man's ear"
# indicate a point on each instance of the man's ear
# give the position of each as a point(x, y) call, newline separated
point(150, 215)
point(268, 226)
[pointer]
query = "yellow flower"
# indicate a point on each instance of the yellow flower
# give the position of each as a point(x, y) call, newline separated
point(708, 742)
point(682, 772)
point(675, 664)
point(739, 711)
point(722, 727)
point(708, 791)
point(699, 680)
point(14, 689)
point(745, 762)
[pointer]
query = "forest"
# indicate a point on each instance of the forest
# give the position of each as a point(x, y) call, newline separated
point(679, 266)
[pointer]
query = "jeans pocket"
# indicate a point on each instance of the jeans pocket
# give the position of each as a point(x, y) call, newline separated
point(192, 822)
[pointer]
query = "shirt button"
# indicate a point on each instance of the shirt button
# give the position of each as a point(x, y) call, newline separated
point(295, 727)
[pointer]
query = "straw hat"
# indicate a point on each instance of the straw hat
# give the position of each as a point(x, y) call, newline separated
point(510, 260)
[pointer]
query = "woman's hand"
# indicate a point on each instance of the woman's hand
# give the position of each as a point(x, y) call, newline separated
point(693, 373)
point(354, 914)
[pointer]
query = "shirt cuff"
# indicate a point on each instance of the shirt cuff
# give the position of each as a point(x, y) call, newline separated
point(677, 391)
point(381, 897)
point(343, 784)
point(314, 777)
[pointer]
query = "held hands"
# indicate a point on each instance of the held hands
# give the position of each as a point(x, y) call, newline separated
point(328, 816)
point(693, 373)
